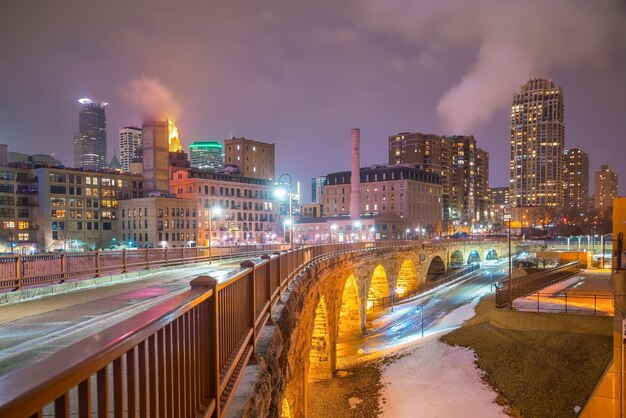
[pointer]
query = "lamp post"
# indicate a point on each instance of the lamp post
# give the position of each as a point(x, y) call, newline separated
point(212, 210)
point(333, 227)
point(568, 238)
point(507, 217)
point(602, 242)
point(579, 237)
point(406, 233)
point(11, 237)
point(420, 309)
point(282, 192)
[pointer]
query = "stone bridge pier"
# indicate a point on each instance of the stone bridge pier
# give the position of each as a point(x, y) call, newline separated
point(328, 301)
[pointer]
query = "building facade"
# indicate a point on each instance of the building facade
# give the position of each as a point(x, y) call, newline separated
point(156, 155)
point(408, 193)
point(576, 179)
point(208, 155)
point(462, 167)
point(79, 209)
point(605, 187)
point(19, 226)
point(130, 149)
point(537, 143)
point(153, 222)
point(317, 185)
point(90, 142)
point(248, 211)
point(254, 159)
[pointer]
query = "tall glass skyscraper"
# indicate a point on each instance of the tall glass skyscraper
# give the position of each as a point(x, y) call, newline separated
point(537, 145)
point(90, 142)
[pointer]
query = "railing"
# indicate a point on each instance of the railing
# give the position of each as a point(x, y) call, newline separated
point(20, 271)
point(568, 303)
point(181, 358)
point(525, 285)
point(388, 301)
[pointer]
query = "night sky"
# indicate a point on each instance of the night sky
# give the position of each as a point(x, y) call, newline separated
point(303, 73)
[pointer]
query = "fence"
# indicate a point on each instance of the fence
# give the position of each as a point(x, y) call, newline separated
point(526, 285)
point(19, 271)
point(388, 301)
point(572, 303)
point(181, 358)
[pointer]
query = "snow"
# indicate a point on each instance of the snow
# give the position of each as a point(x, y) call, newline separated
point(433, 379)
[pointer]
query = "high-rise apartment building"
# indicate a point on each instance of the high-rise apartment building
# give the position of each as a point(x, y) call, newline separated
point(461, 165)
point(208, 155)
point(317, 185)
point(90, 142)
point(606, 187)
point(576, 179)
point(254, 159)
point(130, 148)
point(537, 143)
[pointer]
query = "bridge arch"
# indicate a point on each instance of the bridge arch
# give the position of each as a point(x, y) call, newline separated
point(491, 254)
point(378, 287)
point(473, 256)
point(436, 269)
point(456, 259)
point(407, 278)
point(320, 364)
point(349, 313)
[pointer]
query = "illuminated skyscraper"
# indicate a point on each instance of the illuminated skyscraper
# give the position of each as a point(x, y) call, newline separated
point(130, 146)
point(606, 187)
point(207, 155)
point(537, 143)
point(576, 180)
point(90, 142)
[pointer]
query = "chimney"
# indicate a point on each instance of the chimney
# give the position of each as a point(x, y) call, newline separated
point(355, 179)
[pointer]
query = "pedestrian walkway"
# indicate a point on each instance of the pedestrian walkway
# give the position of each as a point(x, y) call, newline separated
point(33, 329)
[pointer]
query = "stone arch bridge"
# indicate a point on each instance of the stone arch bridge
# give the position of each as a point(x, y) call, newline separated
point(330, 300)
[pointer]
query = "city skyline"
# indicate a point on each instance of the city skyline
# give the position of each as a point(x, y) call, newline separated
point(382, 79)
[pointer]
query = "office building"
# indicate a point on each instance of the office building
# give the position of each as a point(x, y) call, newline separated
point(90, 142)
point(413, 195)
point(156, 154)
point(606, 187)
point(462, 167)
point(248, 209)
point(208, 155)
point(576, 179)
point(158, 222)
point(317, 185)
point(537, 143)
point(254, 159)
point(130, 149)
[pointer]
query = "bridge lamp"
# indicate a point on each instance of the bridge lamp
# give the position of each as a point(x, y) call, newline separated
point(215, 210)
point(333, 228)
point(281, 193)
point(357, 228)
point(406, 234)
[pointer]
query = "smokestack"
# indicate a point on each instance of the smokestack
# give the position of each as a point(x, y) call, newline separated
point(355, 179)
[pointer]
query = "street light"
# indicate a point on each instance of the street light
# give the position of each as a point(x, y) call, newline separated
point(406, 233)
point(602, 242)
point(212, 210)
point(333, 227)
point(281, 193)
point(357, 228)
point(507, 217)
point(420, 309)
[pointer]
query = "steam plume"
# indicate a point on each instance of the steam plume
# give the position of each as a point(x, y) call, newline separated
point(151, 99)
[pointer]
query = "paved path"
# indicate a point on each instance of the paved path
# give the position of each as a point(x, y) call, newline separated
point(33, 329)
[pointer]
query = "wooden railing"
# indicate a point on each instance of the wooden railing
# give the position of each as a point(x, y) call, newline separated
point(21, 271)
point(181, 358)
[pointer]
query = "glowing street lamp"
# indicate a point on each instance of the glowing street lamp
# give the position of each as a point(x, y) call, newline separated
point(357, 228)
point(280, 193)
point(216, 210)
point(333, 228)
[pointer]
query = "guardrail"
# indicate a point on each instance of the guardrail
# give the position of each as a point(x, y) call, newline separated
point(525, 285)
point(389, 301)
point(181, 358)
point(600, 304)
point(19, 271)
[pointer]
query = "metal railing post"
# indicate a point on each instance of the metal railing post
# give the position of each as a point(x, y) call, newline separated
point(97, 263)
point(124, 262)
point(566, 302)
point(167, 261)
point(63, 266)
point(18, 270)
point(211, 343)
point(147, 258)
point(252, 284)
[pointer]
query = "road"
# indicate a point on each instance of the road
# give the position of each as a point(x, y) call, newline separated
point(31, 330)
point(405, 324)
